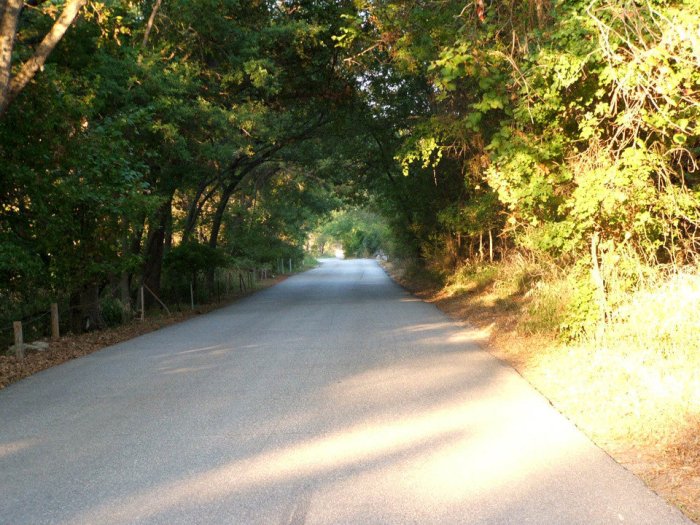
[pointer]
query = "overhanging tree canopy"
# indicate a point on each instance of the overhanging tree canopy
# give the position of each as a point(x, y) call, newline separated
point(473, 128)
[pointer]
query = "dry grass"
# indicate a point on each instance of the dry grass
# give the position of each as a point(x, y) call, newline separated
point(636, 392)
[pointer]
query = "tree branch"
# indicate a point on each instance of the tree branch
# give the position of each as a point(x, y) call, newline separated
point(151, 19)
point(52, 38)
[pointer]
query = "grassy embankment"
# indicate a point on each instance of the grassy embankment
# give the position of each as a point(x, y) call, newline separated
point(634, 387)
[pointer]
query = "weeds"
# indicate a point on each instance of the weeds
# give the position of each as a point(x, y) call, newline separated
point(662, 318)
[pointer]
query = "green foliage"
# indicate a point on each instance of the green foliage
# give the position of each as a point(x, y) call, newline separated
point(582, 311)
point(18, 266)
point(273, 223)
point(661, 317)
point(112, 311)
point(121, 153)
point(471, 278)
point(309, 261)
point(240, 126)
point(548, 307)
point(563, 124)
point(360, 232)
point(191, 258)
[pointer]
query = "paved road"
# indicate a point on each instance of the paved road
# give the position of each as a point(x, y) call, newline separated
point(334, 397)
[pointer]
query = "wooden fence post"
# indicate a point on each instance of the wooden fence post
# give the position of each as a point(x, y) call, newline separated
point(192, 295)
point(165, 307)
point(290, 265)
point(19, 339)
point(55, 330)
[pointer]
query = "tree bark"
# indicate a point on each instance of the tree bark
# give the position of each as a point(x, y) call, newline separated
point(124, 291)
point(599, 284)
point(125, 279)
point(539, 9)
point(47, 45)
point(219, 215)
point(9, 17)
point(155, 248)
point(195, 208)
point(216, 227)
point(168, 242)
point(149, 24)
point(85, 309)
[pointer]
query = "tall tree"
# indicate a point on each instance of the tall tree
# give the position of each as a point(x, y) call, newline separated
point(10, 12)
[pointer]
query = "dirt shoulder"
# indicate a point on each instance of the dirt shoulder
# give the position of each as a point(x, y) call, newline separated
point(659, 446)
point(72, 346)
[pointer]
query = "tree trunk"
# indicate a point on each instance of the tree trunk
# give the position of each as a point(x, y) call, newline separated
point(125, 279)
point(149, 24)
point(9, 16)
point(155, 248)
point(36, 62)
point(219, 214)
point(168, 232)
point(599, 284)
point(216, 226)
point(136, 238)
point(124, 291)
point(193, 213)
point(539, 9)
point(85, 309)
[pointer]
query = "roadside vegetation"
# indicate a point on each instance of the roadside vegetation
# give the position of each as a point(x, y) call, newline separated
point(171, 146)
point(358, 232)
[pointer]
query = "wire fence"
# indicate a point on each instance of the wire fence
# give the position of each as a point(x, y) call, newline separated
point(35, 326)
point(179, 293)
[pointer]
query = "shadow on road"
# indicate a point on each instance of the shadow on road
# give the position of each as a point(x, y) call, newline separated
point(332, 398)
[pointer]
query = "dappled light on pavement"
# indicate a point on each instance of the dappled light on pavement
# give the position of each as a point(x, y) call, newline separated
point(331, 398)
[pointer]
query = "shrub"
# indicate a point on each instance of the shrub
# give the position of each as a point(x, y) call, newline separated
point(112, 310)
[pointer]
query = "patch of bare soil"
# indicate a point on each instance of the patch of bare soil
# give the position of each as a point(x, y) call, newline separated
point(666, 458)
point(71, 346)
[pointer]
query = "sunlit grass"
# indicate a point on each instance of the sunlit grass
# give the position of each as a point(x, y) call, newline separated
point(663, 318)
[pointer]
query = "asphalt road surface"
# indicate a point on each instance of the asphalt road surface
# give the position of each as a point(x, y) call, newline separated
point(334, 397)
